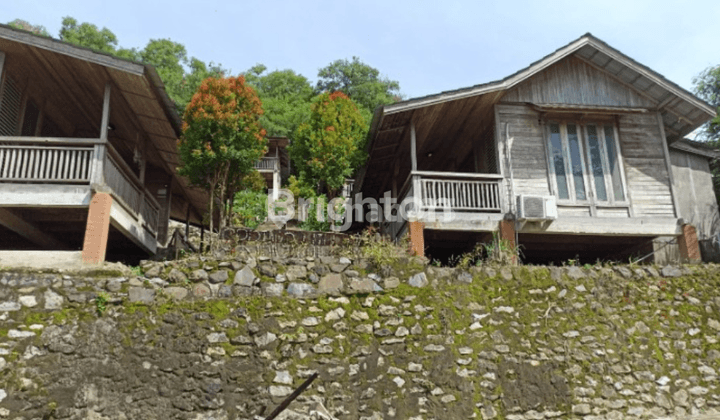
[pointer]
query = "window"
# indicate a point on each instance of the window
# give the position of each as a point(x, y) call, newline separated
point(585, 162)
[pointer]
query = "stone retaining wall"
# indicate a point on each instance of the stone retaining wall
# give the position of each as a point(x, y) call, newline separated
point(229, 338)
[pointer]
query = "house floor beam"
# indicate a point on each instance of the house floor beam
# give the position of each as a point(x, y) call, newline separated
point(28, 230)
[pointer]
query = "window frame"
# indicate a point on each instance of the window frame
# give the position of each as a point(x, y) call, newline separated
point(591, 198)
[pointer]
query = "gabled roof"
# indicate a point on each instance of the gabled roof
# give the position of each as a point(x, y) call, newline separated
point(591, 49)
point(136, 86)
point(464, 112)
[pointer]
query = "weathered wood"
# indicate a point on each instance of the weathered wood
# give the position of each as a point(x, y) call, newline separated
point(53, 45)
point(668, 165)
point(28, 231)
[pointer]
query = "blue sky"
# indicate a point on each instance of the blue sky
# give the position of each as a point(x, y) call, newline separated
point(428, 46)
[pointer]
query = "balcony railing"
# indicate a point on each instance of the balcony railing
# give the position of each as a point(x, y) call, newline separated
point(40, 160)
point(267, 164)
point(468, 193)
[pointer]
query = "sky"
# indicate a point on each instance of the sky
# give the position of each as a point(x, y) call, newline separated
point(427, 46)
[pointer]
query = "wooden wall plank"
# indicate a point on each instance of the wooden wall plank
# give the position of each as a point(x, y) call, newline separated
point(573, 81)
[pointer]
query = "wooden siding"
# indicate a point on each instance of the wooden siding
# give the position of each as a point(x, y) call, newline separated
point(641, 148)
point(529, 162)
point(646, 172)
point(572, 81)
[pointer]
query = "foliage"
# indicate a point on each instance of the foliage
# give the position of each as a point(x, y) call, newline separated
point(286, 98)
point(171, 60)
point(249, 208)
point(180, 74)
point(253, 181)
point(330, 145)
point(222, 139)
point(313, 223)
point(361, 82)
point(26, 26)
point(101, 303)
point(379, 249)
point(88, 35)
point(707, 86)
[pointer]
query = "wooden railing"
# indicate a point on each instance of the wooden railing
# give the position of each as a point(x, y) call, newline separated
point(129, 192)
point(266, 164)
point(447, 191)
point(459, 191)
point(42, 160)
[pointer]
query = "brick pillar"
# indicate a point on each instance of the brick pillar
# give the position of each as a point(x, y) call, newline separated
point(417, 238)
point(98, 229)
point(688, 244)
point(507, 233)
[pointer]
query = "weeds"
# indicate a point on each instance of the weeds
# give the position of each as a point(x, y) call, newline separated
point(101, 303)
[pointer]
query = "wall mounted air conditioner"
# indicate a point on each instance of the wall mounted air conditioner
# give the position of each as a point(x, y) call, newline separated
point(536, 207)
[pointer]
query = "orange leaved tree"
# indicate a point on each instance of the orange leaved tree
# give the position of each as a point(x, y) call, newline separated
point(222, 139)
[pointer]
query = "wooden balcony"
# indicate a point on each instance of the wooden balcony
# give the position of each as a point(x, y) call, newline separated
point(63, 172)
point(476, 201)
point(267, 164)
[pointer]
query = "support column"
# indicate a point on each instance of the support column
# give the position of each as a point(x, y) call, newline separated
point(688, 245)
point(276, 174)
point(98, 229)
point(507, 234)
point(165, 210)
point(417, 238)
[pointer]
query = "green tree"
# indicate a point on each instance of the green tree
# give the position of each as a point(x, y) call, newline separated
point(180, 74)
point(88, 35)
point(222, 139)
point(26, 26)
point(330, 145)
point(286, 98)
point(707, 86)
point(361, 82)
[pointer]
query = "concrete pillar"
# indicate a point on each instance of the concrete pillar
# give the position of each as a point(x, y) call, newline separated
point(688, 244)
point(507, 234)
point(417, 238)
point(98, 229)
point(276, 184)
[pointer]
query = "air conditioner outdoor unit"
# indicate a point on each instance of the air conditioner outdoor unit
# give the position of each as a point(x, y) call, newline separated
point(536, 207)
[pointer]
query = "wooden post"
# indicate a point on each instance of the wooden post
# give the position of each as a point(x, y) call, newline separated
point(98, 229)
point(105, 114)
point(98, 165)
point(415, 179)
point(187, 222)
point(165, 210)
point(668, 165)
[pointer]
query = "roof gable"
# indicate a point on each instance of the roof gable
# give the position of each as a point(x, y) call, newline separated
point(574, 81)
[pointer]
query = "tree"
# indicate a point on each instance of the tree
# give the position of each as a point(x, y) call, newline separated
point(360, 82)
point(180, 74)
point(286, 98)
point(88, 35)
point(707, 86)
point(330, 145)
point(222, 139)
point(26, 26)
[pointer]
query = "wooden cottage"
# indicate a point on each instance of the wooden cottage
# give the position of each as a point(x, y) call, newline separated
point(567, 158)
point(88, 154)
point(275, 165)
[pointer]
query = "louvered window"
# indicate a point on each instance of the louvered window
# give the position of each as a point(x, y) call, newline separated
point(9, 108)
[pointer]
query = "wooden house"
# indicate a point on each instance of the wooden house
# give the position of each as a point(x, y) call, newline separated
point(567, 158)
point(88, 157)
point(275, 165)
